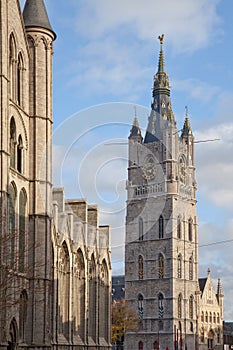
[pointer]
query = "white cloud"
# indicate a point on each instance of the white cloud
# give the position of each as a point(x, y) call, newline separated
point(188, 24)
point(214, 164)
point(215, 252)
point(196, 89)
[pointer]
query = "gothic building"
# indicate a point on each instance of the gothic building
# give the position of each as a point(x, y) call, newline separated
point(161, 247)
point(55, 267)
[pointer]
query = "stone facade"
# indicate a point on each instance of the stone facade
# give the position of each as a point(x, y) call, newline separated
point(161, 248)
point(55, 258)
point(210, 319)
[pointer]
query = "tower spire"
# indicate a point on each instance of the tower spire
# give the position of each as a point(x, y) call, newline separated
point(186, 131)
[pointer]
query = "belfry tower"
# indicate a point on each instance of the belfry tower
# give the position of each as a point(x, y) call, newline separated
point(161, 257)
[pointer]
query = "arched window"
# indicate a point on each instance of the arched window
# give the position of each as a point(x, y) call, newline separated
point(206, 316)
point(179, 306)
point(20, 79)
point(64, 289)
point(79, 295)
point(12, 60)
point(218, 318)
point(191, 327)
point(160, 305)
point(140, 306)
point(214, 317)
point(140, 345)
point(140, 267)
point(140, 229)
point(178, 228)
point(202, 316)
point(179, 266)
point(161, 227)
point(22, 230)
point(22, 314)
point(20, 155)
point(12, 142)
point(218, 336)
point(12, 228)
point(210, 318)
point(190, 229)
point(161, 266)
point(191, 307)
point(191, 268)
point(104, 305)
point(92, 296)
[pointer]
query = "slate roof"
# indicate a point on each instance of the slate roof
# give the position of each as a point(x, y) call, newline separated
point(202, 283)
point(35, 15)
point(118, 286)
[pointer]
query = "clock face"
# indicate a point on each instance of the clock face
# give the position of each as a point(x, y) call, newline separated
point(183, 172)
point(149, 171)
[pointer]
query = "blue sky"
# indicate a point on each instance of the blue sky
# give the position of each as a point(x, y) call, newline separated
point(105, 57)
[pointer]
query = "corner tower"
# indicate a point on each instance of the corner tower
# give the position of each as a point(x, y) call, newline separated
point(40, 37)
point(161, 261)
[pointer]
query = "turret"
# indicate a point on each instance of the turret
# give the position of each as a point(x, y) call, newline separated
point(40, 37)
point(188, 139)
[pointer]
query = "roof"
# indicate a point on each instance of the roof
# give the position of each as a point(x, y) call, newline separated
point(35, 15)
point(202, 283)
point(118, 286)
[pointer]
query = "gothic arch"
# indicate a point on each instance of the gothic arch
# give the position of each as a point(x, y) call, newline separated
point(12, 64)
point(21, 128)
point(12, 335)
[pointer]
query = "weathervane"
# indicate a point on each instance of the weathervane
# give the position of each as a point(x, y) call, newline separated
point(161, 39)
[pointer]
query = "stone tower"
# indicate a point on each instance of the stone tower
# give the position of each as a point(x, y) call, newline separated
point(161, 257)
point(25, 173)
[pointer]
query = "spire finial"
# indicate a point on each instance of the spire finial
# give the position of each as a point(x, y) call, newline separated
point(135, 111)
point(161, 58)
point(161, 39)
point(186, 111)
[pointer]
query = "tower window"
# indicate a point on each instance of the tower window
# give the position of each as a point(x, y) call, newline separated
point(190, 230)
point(179, 306)
point(160, 305)
point(206, 316)
point(218, 318)
point(19, 79)
point(161, 227)
point(191, 268)
point(140, 267)
point(191, 307)
point(22, 230)
point(202, 316)
point(12, 142)
point(214, 317)
point(161, 266)
point(178, 228)
point(20, 155)
point(210, 317)
point(179, 266)
point(140, 345)
point(140, 307)
point(140, 229)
